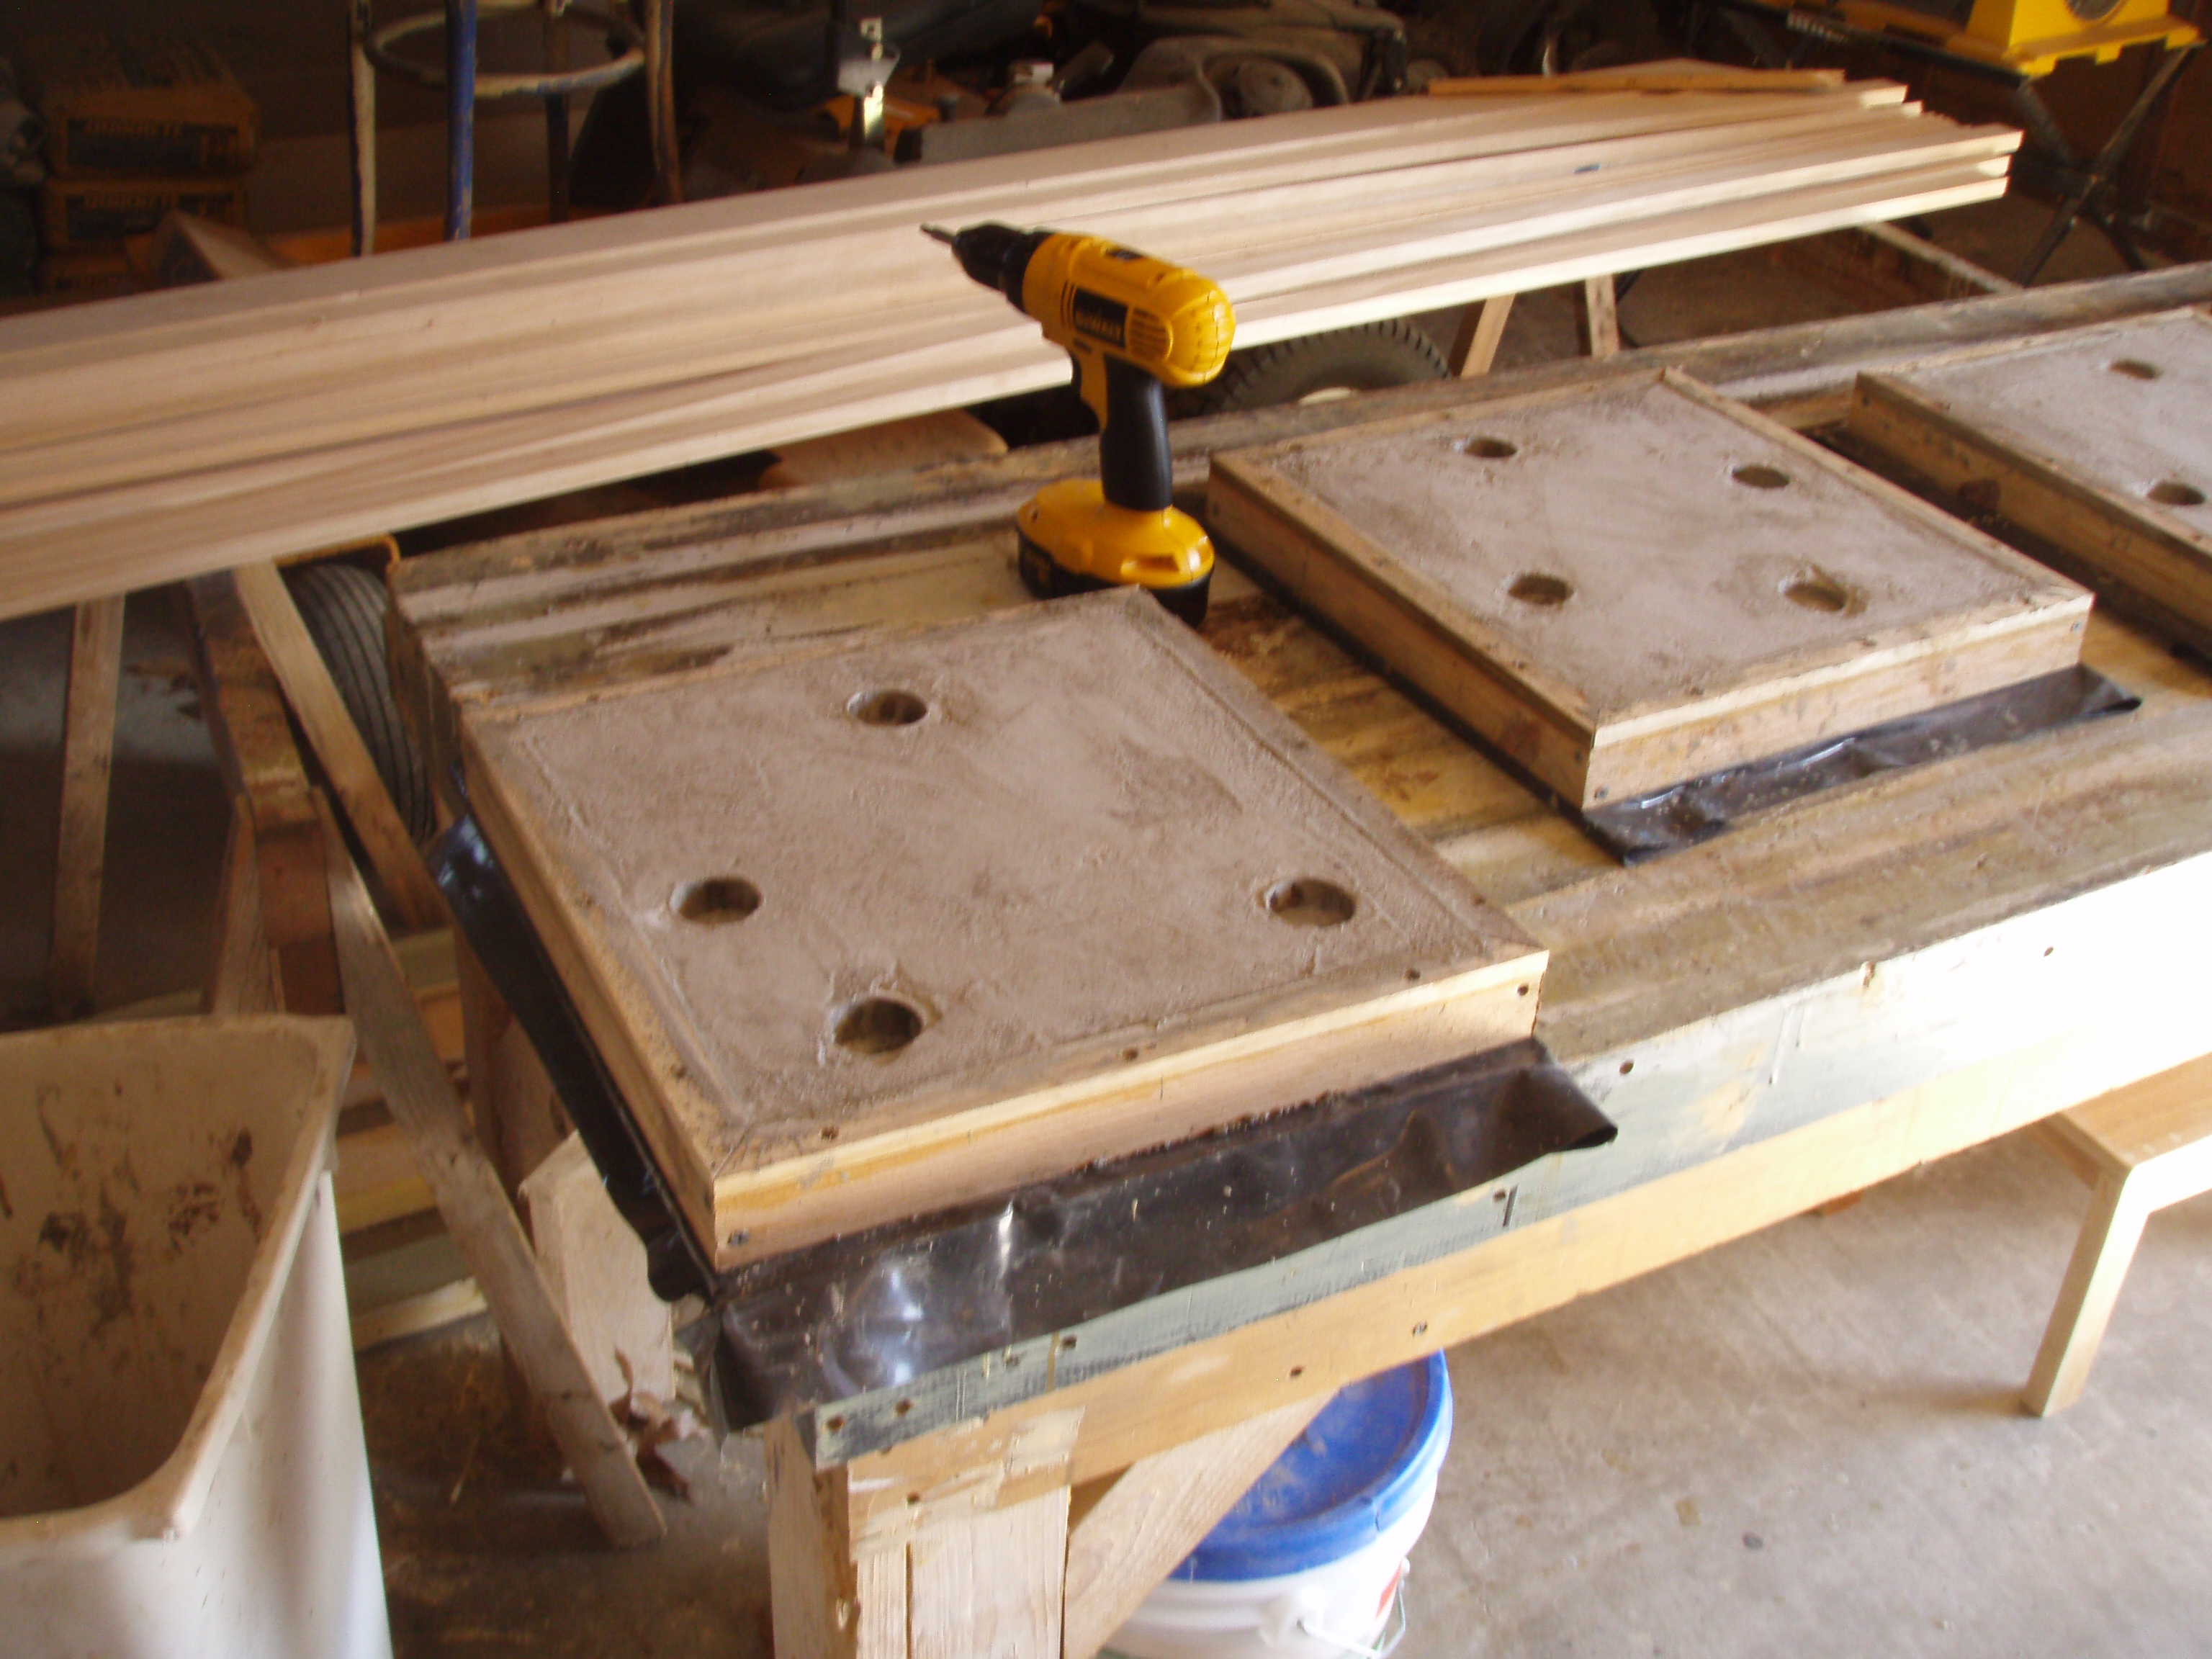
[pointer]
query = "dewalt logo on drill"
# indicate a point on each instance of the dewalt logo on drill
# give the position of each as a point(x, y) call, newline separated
point(1100, 318)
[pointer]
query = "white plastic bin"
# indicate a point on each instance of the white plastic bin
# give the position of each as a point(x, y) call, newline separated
point(181, 1465)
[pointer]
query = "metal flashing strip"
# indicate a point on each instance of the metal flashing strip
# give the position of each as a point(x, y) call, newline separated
point(877, 1309)
point(1683, 814)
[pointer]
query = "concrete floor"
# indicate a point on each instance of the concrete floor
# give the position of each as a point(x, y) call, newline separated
point(1806, 1443)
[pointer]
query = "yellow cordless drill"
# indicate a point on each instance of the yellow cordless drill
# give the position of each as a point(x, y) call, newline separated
point(1133, 324)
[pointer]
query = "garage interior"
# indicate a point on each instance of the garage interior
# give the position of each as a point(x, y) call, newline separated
point(1803, 1428)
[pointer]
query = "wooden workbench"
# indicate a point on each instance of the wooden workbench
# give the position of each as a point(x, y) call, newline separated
point(1823, 997)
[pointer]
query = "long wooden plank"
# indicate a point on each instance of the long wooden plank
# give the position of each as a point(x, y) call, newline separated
point(1701, 80)
point(880, 284)
point(261, 768)
point(95, 665)
point(60, 549)
point(322, 714)
point(477, 1213)
point(1188, 162)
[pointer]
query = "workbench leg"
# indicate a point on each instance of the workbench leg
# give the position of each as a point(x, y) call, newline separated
point(1600, 317)
point(87, 757)
point(1481, 326)
point(517, 1111)
point(989, 1584)
point(952, 1546)
point(242, 979)
point(2101, 1256)
point(824, 1603)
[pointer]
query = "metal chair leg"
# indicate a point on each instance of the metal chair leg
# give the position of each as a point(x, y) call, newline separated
point(460, 118)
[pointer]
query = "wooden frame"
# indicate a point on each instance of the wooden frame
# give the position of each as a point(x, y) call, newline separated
point(755, 1179)
point(1594, 748)
point(2151, 558)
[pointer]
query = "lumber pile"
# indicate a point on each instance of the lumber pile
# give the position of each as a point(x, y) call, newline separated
point(155, 437)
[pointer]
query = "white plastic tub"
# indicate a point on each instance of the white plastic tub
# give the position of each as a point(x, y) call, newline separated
point(181, 1465)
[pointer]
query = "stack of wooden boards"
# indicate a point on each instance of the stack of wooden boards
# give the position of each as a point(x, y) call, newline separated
point(168, 434)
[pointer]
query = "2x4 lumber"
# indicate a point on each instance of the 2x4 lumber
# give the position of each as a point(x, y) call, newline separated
point(1598, 317)
point(743, 312)
point(242, 980)
point(1157, 1512)
point(270, 507)
point(275, 504)
point(261, 767)
point(96, 666)
point(1481, 328)
point(322, 714)
point(1553, 263)
point(824, 1602)
point(243, 351)
point(1658, 80)
point(667, 248)
point(478, 1214)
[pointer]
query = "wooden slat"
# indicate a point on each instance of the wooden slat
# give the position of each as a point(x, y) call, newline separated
point(88, 755)
point(1654, 80)
point(314, 696)
point(263, 422)
point(478, 1214)
point(1157, 1512)
point(243, 980)
point(1481, 329)
point(260, 764)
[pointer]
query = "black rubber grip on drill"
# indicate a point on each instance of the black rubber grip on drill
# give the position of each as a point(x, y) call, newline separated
point(1133, 449)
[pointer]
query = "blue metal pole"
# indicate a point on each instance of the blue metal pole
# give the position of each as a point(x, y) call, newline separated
point(460, 117)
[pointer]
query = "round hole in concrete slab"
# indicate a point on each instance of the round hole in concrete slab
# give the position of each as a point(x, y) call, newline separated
point(877, 1025)
point(1759, 477)
point(2135, 369)
point(1817, 592)
point(2171, 492)
point(887, 708)
point(1310, 901)
point(717, 901)
point(1490, 449)
point(1535, 587)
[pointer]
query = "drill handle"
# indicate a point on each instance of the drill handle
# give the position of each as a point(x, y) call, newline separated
point(1132, 440)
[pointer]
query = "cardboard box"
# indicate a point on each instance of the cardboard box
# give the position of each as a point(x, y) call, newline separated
point(84, 213)
point(139, 106)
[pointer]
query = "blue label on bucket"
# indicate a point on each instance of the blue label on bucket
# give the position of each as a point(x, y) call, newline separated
point(1359, 1466)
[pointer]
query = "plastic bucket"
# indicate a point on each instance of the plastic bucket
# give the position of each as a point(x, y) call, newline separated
point(181, 1463)
point(1311, 1563)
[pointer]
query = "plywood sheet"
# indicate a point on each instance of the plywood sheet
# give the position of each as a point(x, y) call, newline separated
point(878, 928)
point(1630, 585)
point(2099, 439)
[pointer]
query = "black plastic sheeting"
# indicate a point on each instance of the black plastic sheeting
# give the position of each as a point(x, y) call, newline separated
point(1684, 814)
point(879, 1308)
